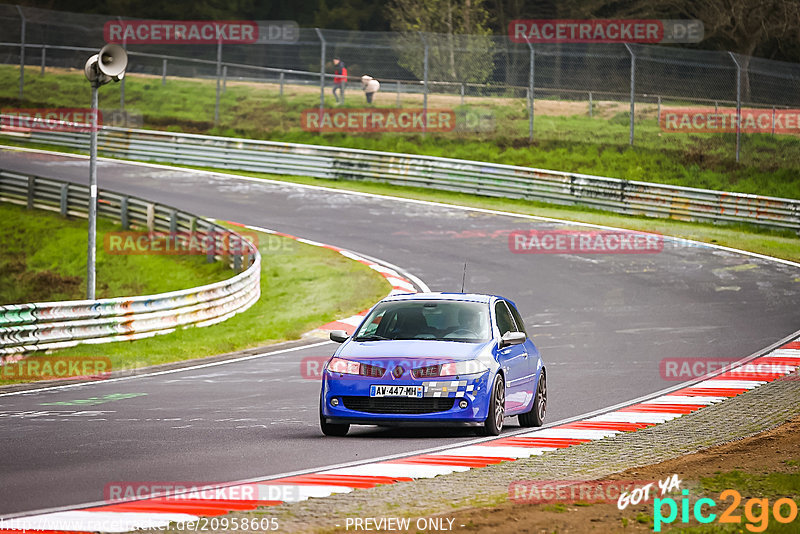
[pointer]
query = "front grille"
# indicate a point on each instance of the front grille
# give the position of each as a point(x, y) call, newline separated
point(398, 405)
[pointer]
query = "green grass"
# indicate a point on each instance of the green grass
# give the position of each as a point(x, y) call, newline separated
point(575, 143)
point(43, 258)
point(302, 287)
point(770, 486)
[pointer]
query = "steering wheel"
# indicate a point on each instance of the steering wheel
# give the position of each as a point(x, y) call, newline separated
point(462, 332)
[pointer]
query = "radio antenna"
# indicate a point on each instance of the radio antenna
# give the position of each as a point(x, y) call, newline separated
point(464, 277)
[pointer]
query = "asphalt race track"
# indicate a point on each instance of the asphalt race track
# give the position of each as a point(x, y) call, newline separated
point(602, 321)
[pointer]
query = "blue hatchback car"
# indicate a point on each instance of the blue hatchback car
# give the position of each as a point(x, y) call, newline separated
point(435, 359)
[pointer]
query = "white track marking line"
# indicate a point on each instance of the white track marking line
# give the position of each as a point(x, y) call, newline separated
point(168, 371)
point(571, 433)
point(383, 469)
point(683, 399)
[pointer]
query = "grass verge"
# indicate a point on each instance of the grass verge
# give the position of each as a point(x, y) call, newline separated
point(566, 138)
point(302, 287)
point(43, 258)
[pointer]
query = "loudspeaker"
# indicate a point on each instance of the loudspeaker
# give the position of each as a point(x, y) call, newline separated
point(109, 64)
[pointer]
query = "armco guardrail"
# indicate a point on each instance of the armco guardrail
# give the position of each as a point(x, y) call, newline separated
point(51, 325)
point(621, 196)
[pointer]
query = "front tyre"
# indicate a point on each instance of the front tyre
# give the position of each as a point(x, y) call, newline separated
point(332, 429)
point(497, 408)
point(535, 417)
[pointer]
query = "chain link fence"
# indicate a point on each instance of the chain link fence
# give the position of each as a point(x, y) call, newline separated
point(630, 87)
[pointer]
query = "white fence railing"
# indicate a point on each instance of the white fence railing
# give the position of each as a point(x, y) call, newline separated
point(490, 179)
point(52, 325)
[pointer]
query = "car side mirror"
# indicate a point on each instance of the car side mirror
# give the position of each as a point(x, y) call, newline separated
point(339, 336)
point(511, 338)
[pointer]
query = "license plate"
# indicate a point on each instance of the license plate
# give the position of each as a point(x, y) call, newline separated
point(395, 391)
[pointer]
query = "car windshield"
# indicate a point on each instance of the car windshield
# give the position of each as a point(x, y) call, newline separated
point(441, 320)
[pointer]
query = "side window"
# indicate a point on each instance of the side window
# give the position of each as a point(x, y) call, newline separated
point(517, 318)
point(504, 321)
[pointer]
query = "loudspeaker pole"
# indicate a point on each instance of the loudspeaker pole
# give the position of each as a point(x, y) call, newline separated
point(92, 257)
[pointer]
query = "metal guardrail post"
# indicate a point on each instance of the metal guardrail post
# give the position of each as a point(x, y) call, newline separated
point(31, 191)
point(633, 89)
point(219, 72)
point(163, 72)
point(151, 217)
point(658, 116)
point(173, 222)
point(590, 105)
point(738, 103)
point(123, 213)
point(21, 53)
point(281, 82)
point(44, 52)
point(64, 200)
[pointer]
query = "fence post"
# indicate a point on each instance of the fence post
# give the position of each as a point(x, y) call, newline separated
point(591, 105)
point(281, 93)
point(21, 53)
point(633, 88)
point(44, 51)
point(425, 82)
point(163, 72)
point(462, 93)
point(531, 87)
point(64, 204)
point(224, 78)
point(151, 217)
point(738, 103)
point(122, 81)
point(773, 120)
point(398, 93)
point(321, 75)
point(658, 117)
point(219, 73)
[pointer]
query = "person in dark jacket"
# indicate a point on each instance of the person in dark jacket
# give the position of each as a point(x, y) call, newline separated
point(339, 79)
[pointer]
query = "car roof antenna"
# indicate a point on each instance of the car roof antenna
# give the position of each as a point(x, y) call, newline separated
point(464, 277)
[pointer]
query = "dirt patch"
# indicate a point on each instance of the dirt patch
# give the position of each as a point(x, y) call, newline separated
point(775, 451)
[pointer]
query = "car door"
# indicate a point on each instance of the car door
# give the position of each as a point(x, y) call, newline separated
point(513, 359)
point(533, 360)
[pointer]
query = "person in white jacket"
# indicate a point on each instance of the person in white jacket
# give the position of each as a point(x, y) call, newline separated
point(370, 86)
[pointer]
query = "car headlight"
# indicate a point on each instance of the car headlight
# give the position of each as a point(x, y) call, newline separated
point(469, 367)
point(342, 366)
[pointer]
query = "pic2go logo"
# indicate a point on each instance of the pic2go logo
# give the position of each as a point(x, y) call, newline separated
point(756, 511)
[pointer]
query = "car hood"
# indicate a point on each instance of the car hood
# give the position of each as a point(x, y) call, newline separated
point(411, 350)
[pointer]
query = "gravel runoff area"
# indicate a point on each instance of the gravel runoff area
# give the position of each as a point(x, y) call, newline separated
point(750, 413)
